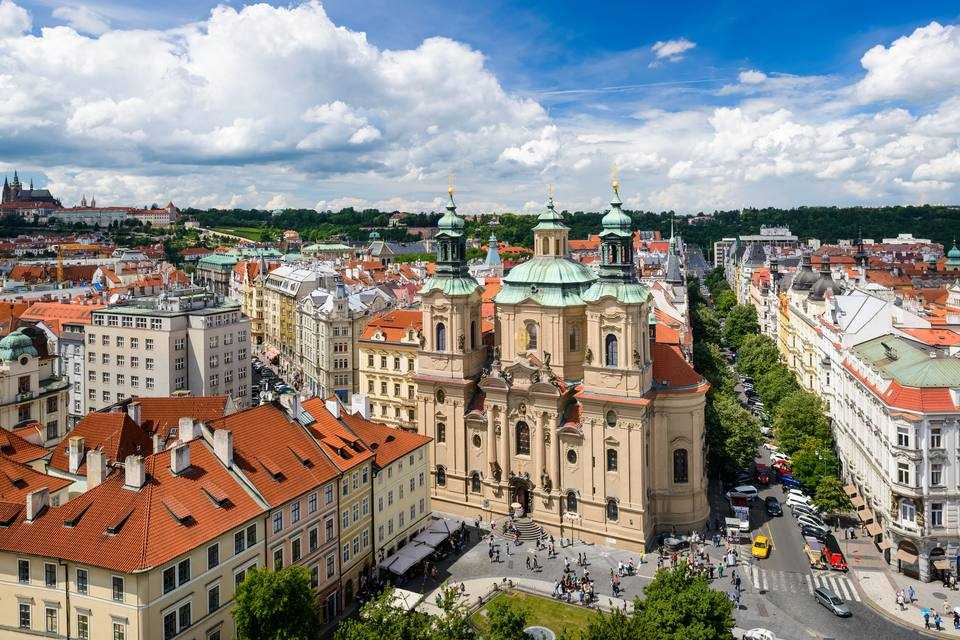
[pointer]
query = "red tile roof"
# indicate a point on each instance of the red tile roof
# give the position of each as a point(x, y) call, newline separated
point(934, 337)
point(282, 466)
point(671, 367)
point(144, 533)
point(113, 433)
point(55, 314)
point(394, 325)
point(13, 447)
point(344, 448)
point(17, 480)
point(388, 444)
point(157, 415)
point(921, 400)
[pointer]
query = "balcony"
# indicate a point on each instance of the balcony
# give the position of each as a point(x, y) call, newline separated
point(904, 528)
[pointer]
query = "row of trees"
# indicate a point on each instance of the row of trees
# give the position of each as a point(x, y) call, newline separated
point(280, 605)
point(798, 417)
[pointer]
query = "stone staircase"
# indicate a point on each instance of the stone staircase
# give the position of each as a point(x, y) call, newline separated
point(529, 530)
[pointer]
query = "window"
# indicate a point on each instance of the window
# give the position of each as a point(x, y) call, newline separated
point(441, 337)
point(82, 578)
point(903, 437)
point(611, 418)
point(312, 503)
point(441, 432)
point(313, 539)
point(148, 364)
point(328, 494)
point(903, 473)
point(278, 558)
point(148, 344)
point(121, 342)
point(328, 530)
point(346, 553)
point(134, 361)
point(176, 621)
point(278, 522)
point(213, 555)
point(213, 598)
point(936, 475)
point(475, 482)
point(23, 571)
point(523, 438)
point(680, 471)
point(936, 514)
point(572, 456)
point(52, 404)
point(117, 585)
point(314, 577)
point(134, 343)
point(180, 344)
point(149, 383)
point(83, 626)
point(52, 617)
point(295, 551)
point(533, 330)
point(935, 438)
point(613, 510)
point(134, 381)
point(119, 631)
point(295, 512)
point(610, 350)
point(572, 340)
point(331, 565)
point(571, 501)
point(24, 615)
point(369, 386)
point(50, 574)
point(611, 459)
point(121, 379)
point(441, 477)
point(370, 360)
point(908, 512)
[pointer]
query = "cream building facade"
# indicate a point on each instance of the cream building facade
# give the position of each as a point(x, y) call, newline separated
point(388, 351)
point(585, 423)
point(30, 389)
point(284, 288)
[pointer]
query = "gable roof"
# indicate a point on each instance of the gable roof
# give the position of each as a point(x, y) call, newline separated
point(157, 415)
point(56, 314)
point(344, 448)
point(387, 443)
point(17, 480)
point(394, 325)
point(144, 530)
point(277, 455)
point(113, 433)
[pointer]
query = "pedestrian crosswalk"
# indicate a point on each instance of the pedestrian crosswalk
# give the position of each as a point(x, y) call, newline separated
point(795, 582)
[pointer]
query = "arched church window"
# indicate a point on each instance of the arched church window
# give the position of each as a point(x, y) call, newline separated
point(476, 440)
point(473, 335)
point(441, 432)
point(680, 473)
point(571, 501)
point(523, 438)
point(533, 330)
point(546, 246)
point(573, 346)
point(613, 510)
point(441, 476)
point(611, 459)
point(441, 396)
point(611, 418)
point(610, 349)
point(441, 338)
point(475, 482)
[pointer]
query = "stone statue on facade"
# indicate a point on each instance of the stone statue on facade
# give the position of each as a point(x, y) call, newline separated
point(588, 356)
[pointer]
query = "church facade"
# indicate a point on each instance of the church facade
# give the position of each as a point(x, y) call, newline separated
point(580, 420)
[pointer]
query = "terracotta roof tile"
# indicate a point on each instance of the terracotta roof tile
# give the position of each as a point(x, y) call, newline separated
point(113, 433)
point(55, 314)
point(17, 480)
point(934, 337)
point(14, 447)
point(671, 367)
point(157, 415)
point(394, 325)
point(388, 444)
point(344, 448)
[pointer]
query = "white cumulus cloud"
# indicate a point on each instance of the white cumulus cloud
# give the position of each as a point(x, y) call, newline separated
point(83, 19)
point(672, 50)
point(14, 19)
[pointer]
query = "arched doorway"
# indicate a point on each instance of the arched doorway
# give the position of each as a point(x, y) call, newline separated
point(908, 559)
point(520, 493)
point(939, 565)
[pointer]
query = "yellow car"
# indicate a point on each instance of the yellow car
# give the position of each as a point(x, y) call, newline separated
point(761, 547)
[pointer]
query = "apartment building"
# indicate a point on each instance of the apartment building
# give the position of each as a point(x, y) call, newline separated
point(30, 389)
point(354, 460)
point(246, 287)
point(388, 349)
point(284, 288)
point(154, 552)
point(299, 484)
point(329, 324)
point(401, 487)
point(186, 342)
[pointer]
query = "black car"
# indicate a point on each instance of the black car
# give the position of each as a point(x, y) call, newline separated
point(773, 506)
point(814, 532)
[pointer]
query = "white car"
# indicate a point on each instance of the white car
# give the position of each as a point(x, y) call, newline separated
point(810, 521)
point(759, 634)
point(797, 493)
point(746, 490)
point(776, 455)
point(793, 500)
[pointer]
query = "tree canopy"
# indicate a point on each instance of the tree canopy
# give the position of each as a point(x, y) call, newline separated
point(741, 322)
point(276, 605)
point(799, 416)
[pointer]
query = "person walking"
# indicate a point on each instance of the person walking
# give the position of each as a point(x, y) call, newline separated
point(926, 619)
point(937, 622)
point(956, 620)
point(911, 594)
point(490, 553)
point(900, 599)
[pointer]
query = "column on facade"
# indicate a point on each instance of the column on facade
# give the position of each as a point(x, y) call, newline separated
point(554, 456)
point(491, 440)
point(504, 447)
point(538, 450)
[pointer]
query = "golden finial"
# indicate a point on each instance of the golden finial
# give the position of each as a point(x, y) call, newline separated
point(450, 184)
point(550, 191)
point(615, 178)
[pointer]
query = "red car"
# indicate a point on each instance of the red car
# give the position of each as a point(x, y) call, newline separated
point(783, 468)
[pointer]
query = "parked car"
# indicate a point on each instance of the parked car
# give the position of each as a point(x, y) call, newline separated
point(832, 602)
point(772, 506)
point(786, 478)
point(761, 547)
point(776, 455)
point(803, 510)
point(814, 532)
point(759, 634)
point(812, 522)
point(745, 489)
point(833, 555)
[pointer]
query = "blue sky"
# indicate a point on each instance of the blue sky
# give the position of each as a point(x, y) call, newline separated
point(701, 105)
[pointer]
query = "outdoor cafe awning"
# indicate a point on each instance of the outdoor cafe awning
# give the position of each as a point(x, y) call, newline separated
point(850, 490)
point(430, 538)
point(884, 545)
point(874, 529)
point(858, 502)
point(865, 515)
point(941, 563)
point(906, 556)
point(400, 562)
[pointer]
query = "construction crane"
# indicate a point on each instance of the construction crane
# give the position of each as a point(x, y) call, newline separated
point(59, 263)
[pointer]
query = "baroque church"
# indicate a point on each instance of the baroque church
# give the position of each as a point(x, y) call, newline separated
point(579, 421)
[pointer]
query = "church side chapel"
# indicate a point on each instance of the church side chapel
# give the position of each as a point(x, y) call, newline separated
point(578, 421)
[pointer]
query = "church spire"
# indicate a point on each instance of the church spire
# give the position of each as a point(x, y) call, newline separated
point(451, 242)
point(616, 250)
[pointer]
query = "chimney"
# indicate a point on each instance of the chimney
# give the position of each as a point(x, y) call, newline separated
point(134, 473)
point(333, 407)
point(179, 458)
point(96, 468)
point(75, 453)
point(157, 443)
point(189, 429)
point(133, 410)
point(223, 446)
point(359, 405)
point(37, 501)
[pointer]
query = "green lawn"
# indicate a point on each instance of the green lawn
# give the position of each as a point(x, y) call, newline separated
point(250, 233)
point(544, 612)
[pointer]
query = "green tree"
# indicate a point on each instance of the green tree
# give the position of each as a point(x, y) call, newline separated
point(774, 385)
point(724, 302)
point(757, 355)
point(380, 620)
point(740, 323)
point(507, 620)
point(615, 625)
point(813, 461)
point(830, 497)
point(705, 324)
point(276, 605)
point(740, 432)
point(798, 416)
point(681, 606)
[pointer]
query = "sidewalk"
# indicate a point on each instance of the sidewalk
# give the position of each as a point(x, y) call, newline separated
point(879, 584)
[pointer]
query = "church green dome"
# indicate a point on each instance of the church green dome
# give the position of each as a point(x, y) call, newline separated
point(450, 220)
point(954, 254)
point(547, 280)
point(15, 345)
point(616, 221)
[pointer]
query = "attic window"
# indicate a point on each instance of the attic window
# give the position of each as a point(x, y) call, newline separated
point(177, 510)
point(114, 527)
point(303, 457)
point(390, 438)
point(374, 446)
point(272, 468)
point(75, 520)
point(9, 516)
point(215, 493)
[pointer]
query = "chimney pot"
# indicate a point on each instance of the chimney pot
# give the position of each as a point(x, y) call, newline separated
point(223, 446)
point(333, 407)
point(180, 458)
point(157, 443)
point(37, 501)
point(96, 468)
point(189, 429)
point(134, 473)
point(75, 453)
point(133, 410)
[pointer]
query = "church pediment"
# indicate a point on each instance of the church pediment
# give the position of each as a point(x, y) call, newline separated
point(494, 382)
point(544, 387)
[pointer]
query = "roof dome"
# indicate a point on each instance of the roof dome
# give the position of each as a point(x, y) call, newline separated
point(616, 221)
point(549, 218)
point(547, 280)
point(825, 282)
point(450, 220)
point(805, 278)
point(954, 254)
point(15, 345)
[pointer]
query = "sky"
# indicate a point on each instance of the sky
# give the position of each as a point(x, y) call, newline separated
point(696, 106)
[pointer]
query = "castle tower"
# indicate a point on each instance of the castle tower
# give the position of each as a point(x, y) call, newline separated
point(451, 357)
